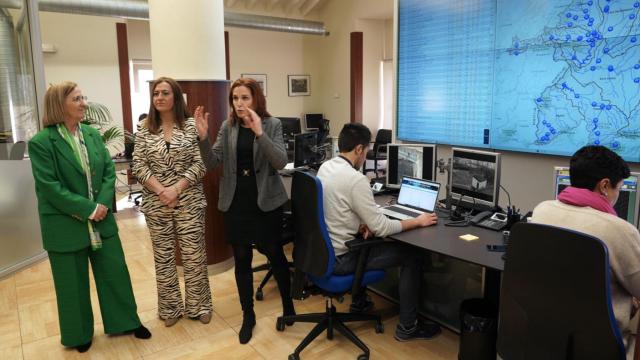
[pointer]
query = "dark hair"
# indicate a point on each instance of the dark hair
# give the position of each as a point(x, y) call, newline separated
point(259, 101)
point(179, 106)
point(142, 116)
point(352, 135)
point(593, 163)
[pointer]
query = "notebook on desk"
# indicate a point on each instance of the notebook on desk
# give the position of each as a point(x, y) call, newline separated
point(416, 197)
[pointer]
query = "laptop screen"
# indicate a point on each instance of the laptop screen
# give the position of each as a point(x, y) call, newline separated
point(418, 193)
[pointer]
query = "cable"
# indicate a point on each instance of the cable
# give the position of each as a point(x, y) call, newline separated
point(455, 215)
point(506, 192)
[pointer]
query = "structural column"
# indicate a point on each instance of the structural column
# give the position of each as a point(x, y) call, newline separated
point(188, 44)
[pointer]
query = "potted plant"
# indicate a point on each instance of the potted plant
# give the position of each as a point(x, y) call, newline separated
point(99, 116)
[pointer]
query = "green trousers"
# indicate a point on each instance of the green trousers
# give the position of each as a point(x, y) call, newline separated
point(71, 279)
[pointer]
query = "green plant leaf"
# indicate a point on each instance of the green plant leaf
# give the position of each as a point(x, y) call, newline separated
point(97, 114)
point(112, 134)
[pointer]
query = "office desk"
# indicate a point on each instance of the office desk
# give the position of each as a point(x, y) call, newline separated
point(463, 263)
point(446, 240)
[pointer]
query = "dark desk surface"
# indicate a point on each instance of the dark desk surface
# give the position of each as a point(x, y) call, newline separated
point(445, 240)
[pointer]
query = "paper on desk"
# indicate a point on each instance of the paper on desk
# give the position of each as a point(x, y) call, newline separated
point(468, 237)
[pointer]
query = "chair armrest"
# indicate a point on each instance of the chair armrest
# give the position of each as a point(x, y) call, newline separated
point(363, 246)
point(360, 243)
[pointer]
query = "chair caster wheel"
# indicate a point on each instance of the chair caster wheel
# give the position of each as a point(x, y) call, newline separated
point(379, 328)
point(280, 324)
point(363, 357)
point(294, 357)
point(259, 295)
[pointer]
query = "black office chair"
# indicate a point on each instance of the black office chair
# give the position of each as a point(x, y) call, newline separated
point(314, 257)
point(379, 151)
point(555, 301)
point(287, 237)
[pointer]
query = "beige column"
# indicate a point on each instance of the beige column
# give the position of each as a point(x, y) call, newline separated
point(187, 39)
point(187, 44)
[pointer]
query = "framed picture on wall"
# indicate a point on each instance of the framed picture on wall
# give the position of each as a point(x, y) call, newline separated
point(260, 78)
point(299, 85)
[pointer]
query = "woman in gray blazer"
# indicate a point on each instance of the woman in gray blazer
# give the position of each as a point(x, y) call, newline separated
point(251, 149)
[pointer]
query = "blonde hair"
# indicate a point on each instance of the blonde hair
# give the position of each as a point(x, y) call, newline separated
point(54, 102)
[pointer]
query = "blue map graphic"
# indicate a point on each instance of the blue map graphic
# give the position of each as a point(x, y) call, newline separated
point(563, 74)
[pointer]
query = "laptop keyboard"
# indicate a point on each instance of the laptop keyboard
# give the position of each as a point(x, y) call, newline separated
point(403, 211)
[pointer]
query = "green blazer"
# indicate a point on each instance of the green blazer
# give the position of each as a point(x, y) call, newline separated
point(61, 189)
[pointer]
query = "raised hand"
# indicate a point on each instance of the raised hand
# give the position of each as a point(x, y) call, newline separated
point(253, 121)
point(202, 122)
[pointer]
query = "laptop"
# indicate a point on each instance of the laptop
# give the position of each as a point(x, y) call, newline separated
point(416, 197)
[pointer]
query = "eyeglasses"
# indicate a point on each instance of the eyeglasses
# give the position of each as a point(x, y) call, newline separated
point(80, 98)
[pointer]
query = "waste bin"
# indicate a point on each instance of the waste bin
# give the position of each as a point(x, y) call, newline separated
point(478, 330)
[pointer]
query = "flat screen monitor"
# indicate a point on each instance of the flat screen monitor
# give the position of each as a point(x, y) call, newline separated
point(313, 121)
point(410, 160)
point(627, 206)
point(305, 149)
point(475, 177)
point(290, 127)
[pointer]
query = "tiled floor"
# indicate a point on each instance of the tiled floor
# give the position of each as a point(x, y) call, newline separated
point(29, 323)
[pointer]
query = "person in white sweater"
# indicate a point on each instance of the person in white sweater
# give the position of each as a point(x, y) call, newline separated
point(349, 209)
point(597, 174)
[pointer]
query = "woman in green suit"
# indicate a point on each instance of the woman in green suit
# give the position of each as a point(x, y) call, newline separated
point(75, 181)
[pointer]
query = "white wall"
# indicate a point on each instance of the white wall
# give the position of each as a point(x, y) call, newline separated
point(87, 54)
point(276, 54)
point(138, 39)
point(329, 59)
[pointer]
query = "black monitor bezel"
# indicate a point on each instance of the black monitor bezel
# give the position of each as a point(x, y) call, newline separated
point(458, 194)
point(412, 145)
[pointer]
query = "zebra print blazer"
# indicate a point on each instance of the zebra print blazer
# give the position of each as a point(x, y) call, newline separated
point(182, 160)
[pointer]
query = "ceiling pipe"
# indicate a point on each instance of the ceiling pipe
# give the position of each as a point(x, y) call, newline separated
point(139, 9)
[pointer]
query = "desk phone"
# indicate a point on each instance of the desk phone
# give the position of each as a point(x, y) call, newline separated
point(490, 220)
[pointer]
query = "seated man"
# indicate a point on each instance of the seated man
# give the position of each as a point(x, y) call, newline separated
point(597, 174)
point(349, 208)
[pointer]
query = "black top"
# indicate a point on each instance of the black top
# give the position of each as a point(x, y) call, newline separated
point(245, 150)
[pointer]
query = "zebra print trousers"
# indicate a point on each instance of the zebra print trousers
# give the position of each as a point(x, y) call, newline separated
point(167, 227)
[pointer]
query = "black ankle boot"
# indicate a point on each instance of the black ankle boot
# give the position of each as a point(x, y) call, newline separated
point(84, 347)
point(248, 322)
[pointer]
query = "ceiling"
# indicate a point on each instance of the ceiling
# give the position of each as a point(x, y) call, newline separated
point(289, 7)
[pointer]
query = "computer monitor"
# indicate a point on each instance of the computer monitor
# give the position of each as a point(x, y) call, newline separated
point(475, 178)
point(305, 149)
point(561, 179)
point(628, 204)
point(314, 121)
point(290, 127)
point(411, 160)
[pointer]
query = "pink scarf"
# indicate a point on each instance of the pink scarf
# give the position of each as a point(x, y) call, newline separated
point(583, 197)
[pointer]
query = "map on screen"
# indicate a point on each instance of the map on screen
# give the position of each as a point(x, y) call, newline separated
point(530, 75)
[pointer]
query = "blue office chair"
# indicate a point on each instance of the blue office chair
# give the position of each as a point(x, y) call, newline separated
point(314, 259)
point(555, 300)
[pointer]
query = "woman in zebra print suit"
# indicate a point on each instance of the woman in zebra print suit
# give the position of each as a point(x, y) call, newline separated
point(167, 162)
point(251, 149)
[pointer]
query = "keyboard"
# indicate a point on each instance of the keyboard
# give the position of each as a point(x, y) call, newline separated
point(403, 211)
